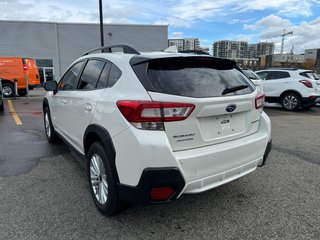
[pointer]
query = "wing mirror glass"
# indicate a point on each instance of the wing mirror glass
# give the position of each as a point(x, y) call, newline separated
point(50, 86)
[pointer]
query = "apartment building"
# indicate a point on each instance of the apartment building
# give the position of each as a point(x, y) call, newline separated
point(230, 49)
point(185, 44)
point(241, 49)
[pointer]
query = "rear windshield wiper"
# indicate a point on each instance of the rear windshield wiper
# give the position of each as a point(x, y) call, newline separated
point(233, 89)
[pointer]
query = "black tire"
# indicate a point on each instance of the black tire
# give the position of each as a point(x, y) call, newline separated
point(22, 92)
point(1, 106)
point(97, 179)
point(8, 90)
point(48, 127)
point(291, 101)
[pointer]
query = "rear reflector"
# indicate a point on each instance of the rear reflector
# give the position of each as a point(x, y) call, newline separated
point(307, 83)
point(161, 193)
point(150, 115)
point(260, 100)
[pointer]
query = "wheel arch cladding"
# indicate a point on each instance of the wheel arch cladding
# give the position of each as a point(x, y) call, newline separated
point(290, 91)
point(95, 133)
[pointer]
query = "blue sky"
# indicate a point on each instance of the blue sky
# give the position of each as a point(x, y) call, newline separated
point(208, 20)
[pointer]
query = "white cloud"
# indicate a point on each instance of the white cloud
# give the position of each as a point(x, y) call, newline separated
point(177, 35)
point(269, 21)
point(305, 35)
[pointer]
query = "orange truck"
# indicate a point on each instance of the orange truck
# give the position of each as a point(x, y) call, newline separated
point(18, 69)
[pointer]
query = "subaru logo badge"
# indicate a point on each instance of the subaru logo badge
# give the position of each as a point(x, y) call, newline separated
point(231, 107)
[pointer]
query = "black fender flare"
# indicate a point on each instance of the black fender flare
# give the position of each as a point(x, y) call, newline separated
point(98, 133)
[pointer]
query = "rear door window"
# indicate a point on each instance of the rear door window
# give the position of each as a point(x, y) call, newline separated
point(198, 77)
point(91, 74)
point(115, 74)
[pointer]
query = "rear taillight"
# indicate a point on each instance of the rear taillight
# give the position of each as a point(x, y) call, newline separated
point(307, 83)
point(151, 115)
point(260, 100)
point(25, 68)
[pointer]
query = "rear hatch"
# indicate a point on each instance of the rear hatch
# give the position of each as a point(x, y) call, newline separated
point(218, 115)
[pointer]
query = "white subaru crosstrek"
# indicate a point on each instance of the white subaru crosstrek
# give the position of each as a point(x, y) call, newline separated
point(154, 126)
point(292, 88)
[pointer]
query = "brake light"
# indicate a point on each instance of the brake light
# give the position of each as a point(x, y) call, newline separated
point(307, 83)
point(25, 68)
point(161, 193)
point(151, 115)
point(260, 100)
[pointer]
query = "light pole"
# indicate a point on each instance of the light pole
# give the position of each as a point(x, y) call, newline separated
point(101, 23)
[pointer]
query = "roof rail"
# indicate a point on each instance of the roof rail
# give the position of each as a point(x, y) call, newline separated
point(125, 48)
point(200, 52)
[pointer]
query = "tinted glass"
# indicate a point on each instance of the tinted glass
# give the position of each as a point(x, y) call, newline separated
point(282, 75)
point(103, 80)
point(69, 80)
point(262, 75)
point(114, 75)
point(272, 75)
point(91, 74)
point(196, 77)
point(311, 75)
point(250, 74)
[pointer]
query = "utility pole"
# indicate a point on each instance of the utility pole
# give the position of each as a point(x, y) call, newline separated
point(283, 35)
point(101, 23)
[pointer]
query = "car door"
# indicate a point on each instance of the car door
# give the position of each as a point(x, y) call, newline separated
point(276, 83)
point(91, 86)
point(60, 106)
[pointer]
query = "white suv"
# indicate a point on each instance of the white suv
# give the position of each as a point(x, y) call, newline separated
point(154, 126)
point(292, 88)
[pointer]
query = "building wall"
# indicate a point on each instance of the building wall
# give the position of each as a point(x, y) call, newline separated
point(65, 42)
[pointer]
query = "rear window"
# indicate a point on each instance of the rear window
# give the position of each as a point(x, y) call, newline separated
point(194, 77)
point(311, 75)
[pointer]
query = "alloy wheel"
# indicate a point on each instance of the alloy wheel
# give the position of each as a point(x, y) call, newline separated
point(47, 124)
point(98, 179)
point(7, 91)
point(290, 102)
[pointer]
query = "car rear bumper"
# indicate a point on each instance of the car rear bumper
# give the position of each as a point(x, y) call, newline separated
point(312, 100)
point(150, 178)
point(149, 162)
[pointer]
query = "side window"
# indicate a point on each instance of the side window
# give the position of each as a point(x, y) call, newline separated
point(91, 74)
point(115, 74)
point(69, 79)
point(282, 75)
point(271, 76)
point(263, 75)
point(103, 80)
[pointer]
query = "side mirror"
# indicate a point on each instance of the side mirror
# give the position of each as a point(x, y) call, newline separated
point(51, 86)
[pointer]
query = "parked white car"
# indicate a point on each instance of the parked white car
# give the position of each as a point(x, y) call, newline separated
point(254, 78)
point(292, 88)
point(154, 126)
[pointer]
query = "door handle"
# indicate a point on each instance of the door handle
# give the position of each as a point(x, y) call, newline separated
point(87, 107)
point(64, 101)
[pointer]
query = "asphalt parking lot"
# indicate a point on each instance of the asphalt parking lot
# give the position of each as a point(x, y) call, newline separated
point(44, 191)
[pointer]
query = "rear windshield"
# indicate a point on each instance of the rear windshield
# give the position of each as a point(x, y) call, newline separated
point(197, 77)
point(311, 75)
